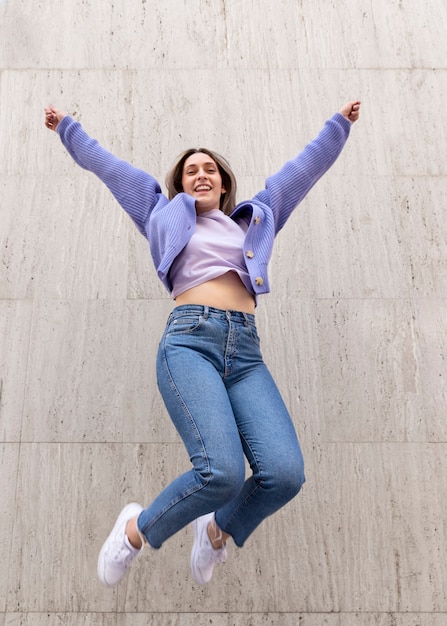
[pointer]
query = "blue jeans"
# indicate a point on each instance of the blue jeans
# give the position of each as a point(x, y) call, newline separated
point(224, 405)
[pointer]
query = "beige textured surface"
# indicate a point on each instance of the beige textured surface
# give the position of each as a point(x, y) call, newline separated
point(354, 330)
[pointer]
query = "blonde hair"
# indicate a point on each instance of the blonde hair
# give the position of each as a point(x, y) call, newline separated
point(174, 178)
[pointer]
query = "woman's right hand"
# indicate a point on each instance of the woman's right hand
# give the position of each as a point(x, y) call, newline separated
point(53, 117)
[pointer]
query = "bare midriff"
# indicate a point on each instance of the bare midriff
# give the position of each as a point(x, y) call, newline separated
point(225, 292)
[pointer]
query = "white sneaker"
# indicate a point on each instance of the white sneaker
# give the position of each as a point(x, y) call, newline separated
point(117, 553)
point(203, 556)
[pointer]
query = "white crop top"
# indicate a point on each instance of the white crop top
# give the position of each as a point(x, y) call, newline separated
point(216, 247)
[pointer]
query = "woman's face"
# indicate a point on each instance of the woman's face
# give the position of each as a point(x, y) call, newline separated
point(201, 179)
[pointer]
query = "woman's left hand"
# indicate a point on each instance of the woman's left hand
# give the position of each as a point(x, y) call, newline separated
point(351, 111)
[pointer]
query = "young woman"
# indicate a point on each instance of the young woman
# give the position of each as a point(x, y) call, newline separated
point(212, 257)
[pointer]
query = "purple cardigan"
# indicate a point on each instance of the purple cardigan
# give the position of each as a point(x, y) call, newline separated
point(169, 224)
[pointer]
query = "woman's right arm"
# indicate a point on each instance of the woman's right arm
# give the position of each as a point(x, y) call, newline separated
point(135, 190)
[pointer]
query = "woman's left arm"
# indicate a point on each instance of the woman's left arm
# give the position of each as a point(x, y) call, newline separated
point(285, 189)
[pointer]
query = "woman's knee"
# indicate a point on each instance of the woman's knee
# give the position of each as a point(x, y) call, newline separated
point(223, 483)
point(293, 482)
point(285, 480)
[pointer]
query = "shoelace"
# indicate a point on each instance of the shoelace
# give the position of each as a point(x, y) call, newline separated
point(121, 553)
point(222, 556)
point(211, 555)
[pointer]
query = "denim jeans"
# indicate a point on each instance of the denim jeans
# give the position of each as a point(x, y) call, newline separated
point(224, 405)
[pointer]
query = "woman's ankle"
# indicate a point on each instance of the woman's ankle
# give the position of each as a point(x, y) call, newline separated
point(216, 536)
point(133, 535)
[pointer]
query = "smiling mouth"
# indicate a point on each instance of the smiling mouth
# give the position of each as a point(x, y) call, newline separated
point(202, 188)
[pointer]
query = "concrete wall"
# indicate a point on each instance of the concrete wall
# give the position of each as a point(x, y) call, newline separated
point(359, 294)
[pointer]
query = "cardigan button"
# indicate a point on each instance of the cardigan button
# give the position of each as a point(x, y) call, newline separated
point(259, 280)
point(250, 254)
point(257, 220)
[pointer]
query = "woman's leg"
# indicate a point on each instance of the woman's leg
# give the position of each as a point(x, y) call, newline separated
point(271, 446)
point(269, 442)
point(189, 369)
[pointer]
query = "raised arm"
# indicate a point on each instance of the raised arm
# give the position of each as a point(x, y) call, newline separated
point(135, 190)
point(285, 189)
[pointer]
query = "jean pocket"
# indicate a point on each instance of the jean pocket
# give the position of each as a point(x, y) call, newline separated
point(254, 335)
point(184, 324)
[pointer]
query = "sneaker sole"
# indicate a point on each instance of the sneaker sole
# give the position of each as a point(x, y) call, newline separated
point(195, 572)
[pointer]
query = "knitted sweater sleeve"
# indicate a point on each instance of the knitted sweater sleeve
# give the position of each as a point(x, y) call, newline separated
point(135, 190)
point(285, 189)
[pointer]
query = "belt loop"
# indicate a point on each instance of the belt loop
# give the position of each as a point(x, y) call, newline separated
point(205, 312)
point(246, 323)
